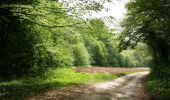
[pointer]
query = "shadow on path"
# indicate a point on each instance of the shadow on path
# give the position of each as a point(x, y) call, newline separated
point(128, 87)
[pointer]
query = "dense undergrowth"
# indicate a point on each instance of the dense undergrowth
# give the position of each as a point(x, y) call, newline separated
point(53, 78)
point(158, 84)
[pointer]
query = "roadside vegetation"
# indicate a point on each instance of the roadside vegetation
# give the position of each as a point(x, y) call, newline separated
point(148, 22)
point(53, 78)
point(37, 35)
point(159, 89)
point(39, 38)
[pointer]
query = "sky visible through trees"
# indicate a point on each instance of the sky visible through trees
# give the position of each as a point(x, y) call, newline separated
point(39, 35)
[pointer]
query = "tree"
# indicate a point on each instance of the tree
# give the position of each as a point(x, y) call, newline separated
point(34, 35)
point(148, 22)
point(26, 41)
point(138, 56)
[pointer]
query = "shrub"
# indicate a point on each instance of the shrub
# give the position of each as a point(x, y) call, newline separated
point(100, 54)
point(81, 55)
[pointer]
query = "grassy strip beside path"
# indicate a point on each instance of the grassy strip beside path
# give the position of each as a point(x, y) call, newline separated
point(53, 78)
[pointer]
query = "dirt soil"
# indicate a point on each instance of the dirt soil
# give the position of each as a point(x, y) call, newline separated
point(130, 87)
point(109, 69)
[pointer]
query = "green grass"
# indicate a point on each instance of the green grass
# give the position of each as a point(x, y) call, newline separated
point(52, 78)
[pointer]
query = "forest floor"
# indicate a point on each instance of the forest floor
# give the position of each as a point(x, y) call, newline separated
point(129, 87)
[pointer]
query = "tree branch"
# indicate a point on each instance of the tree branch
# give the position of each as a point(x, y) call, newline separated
point(54, 26)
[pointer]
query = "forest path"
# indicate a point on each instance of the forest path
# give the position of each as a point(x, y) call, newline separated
point(130, 87)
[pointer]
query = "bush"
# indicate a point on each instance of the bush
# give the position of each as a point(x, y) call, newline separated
point(113, 54)
point(100, 54)
point(158, 84)
point(81, 55)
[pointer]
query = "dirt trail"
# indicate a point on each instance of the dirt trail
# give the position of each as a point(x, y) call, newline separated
point(128, 87)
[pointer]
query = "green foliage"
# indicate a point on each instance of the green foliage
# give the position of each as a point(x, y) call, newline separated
point(100, 54)
point(15, 47)
point(81, 55)
point(114, 57)
point(159, 85)
point(36, 36)
point(137, 57)
point(148, 22)
point(100, 43)
point(27, 39)
point(39, 34)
